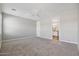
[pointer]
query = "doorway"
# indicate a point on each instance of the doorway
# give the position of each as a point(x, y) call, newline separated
point(55, 30)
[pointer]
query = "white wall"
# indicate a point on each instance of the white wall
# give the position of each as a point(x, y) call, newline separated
point(78, 24)
point(0, 26)
point(16, 27)
point(46, 28)
point(21, 12)
point(68, 24)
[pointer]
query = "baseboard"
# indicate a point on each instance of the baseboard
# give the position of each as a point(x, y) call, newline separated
point(40, 37)
point(44, 38)
point(69, 42)
point(17, 38)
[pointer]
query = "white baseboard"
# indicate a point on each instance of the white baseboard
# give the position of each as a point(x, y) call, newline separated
point(44, 38)
point(17, 38)
point(40, 37)
point(69, 42)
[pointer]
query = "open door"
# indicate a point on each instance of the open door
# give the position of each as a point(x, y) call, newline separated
point(55, 30)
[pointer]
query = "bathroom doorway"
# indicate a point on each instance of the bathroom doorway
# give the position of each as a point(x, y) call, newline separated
point(55, 30)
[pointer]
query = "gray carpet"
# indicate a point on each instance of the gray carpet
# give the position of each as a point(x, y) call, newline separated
point(37, 47)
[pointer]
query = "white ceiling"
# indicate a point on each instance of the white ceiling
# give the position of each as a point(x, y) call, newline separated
point(36, 11)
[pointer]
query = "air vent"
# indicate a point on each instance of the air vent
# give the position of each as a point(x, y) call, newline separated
point(14, 9)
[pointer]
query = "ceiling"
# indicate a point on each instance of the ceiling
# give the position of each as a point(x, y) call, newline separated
point(36, 11)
